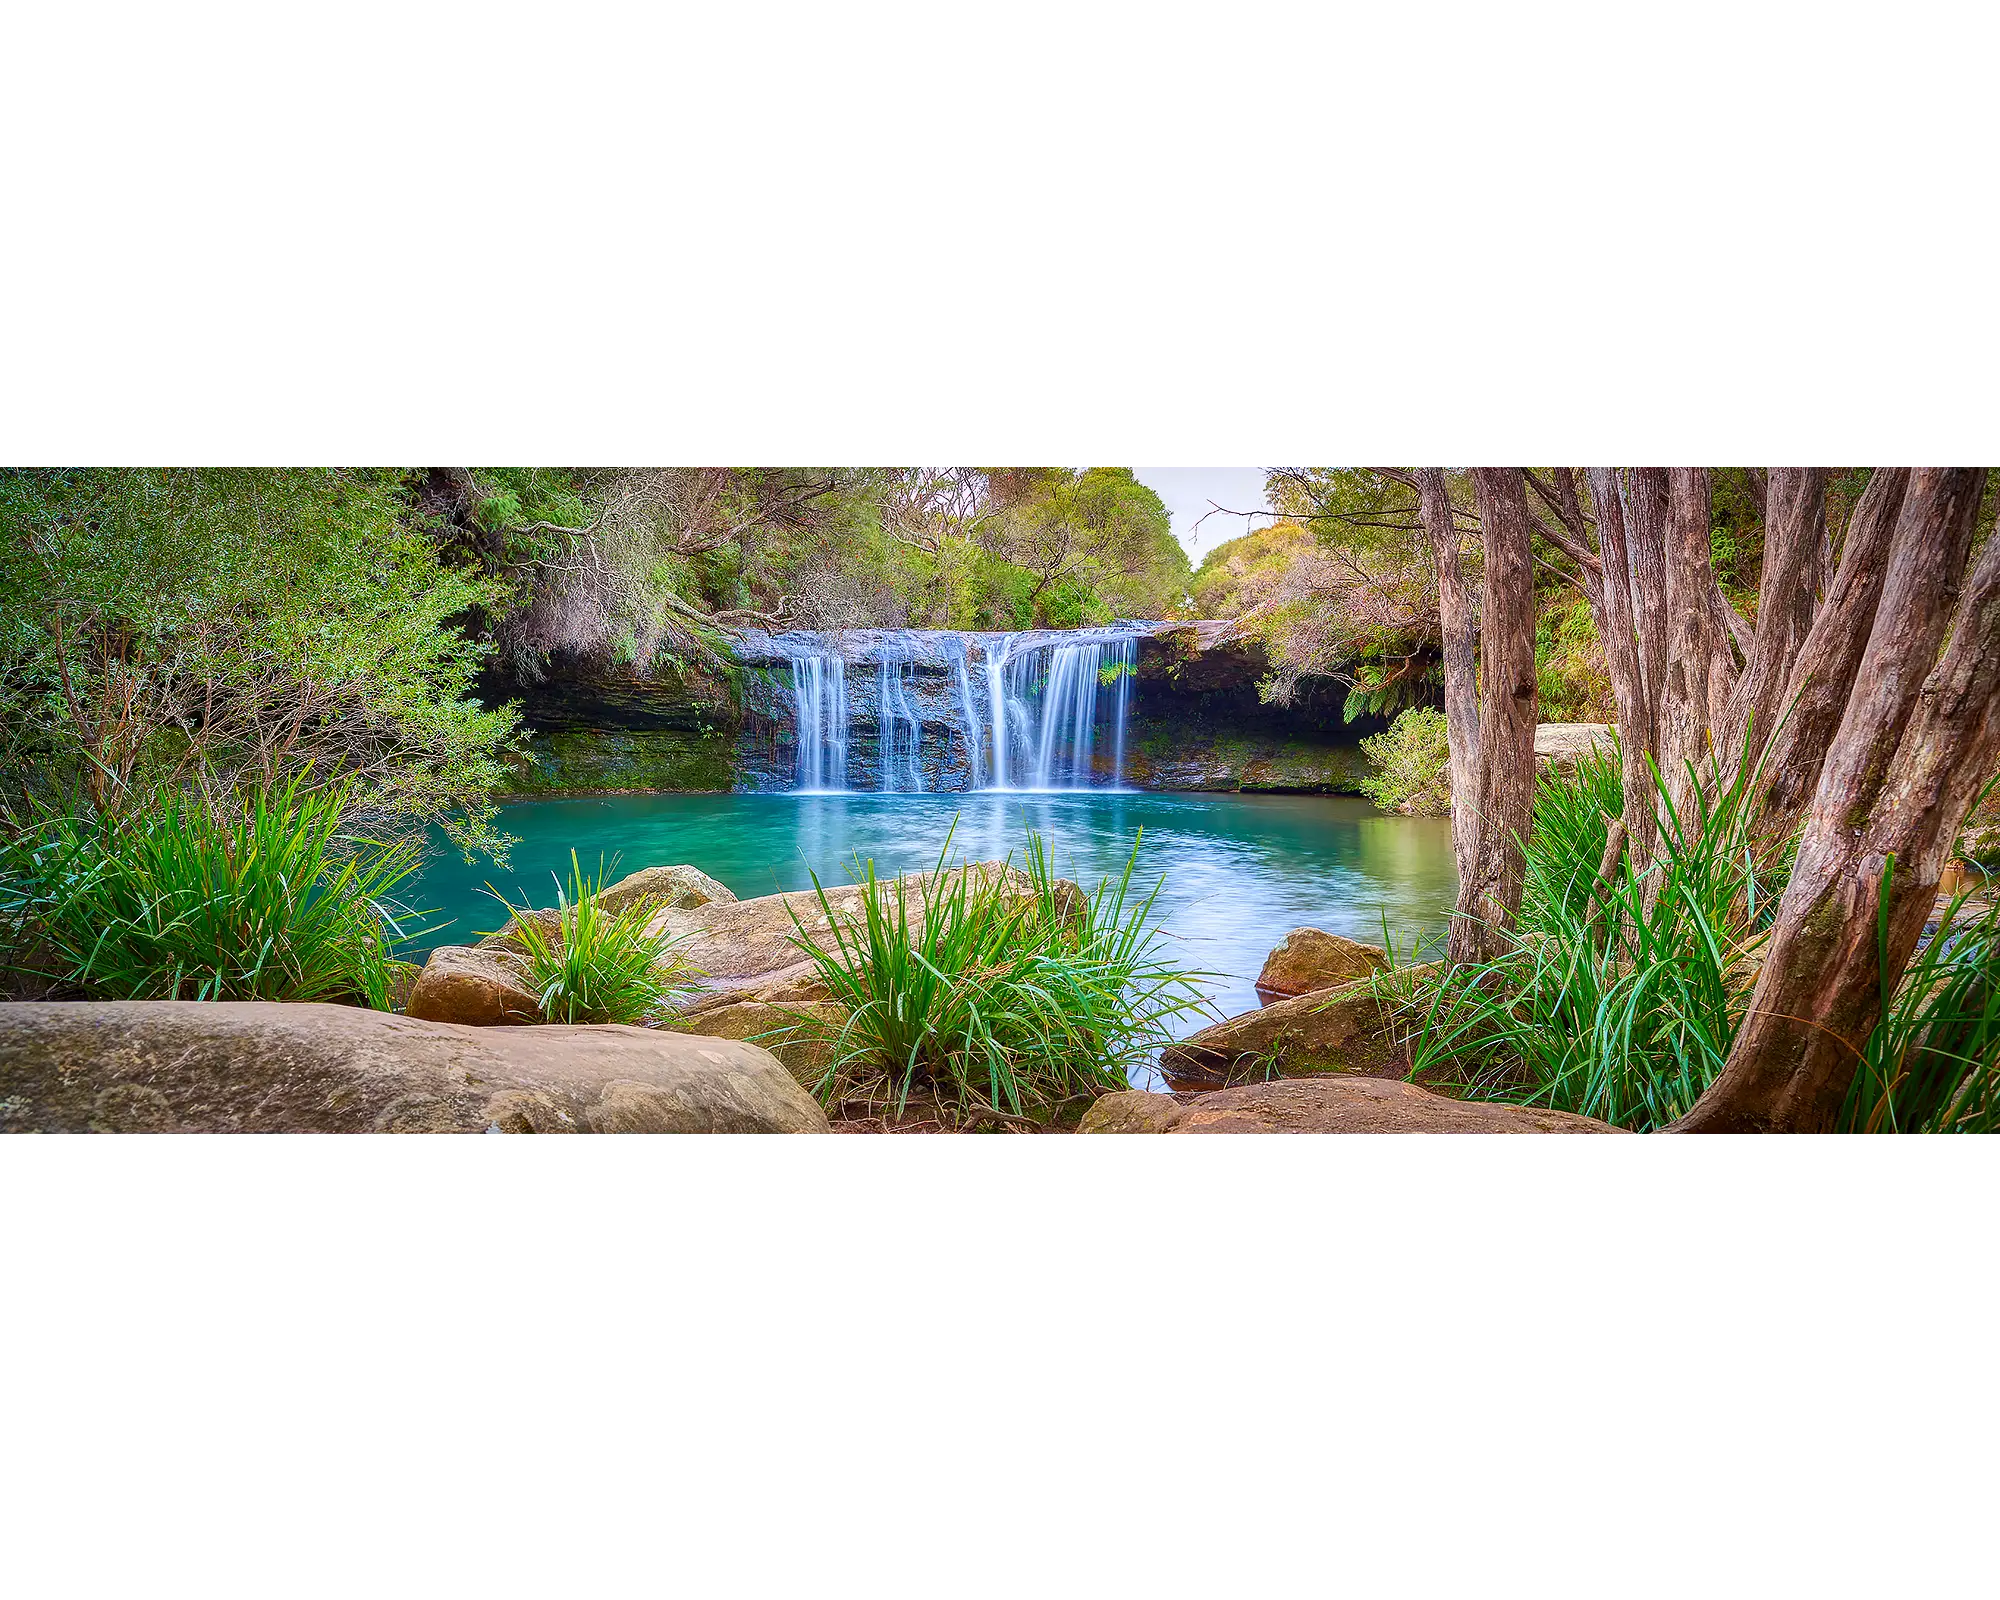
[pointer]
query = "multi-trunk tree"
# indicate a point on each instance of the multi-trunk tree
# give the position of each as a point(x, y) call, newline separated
point(1860, 714)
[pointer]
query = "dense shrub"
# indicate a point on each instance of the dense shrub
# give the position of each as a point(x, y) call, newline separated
point(1412, 765)
point(596, 965)
point(993, 1002)
point(266, 897)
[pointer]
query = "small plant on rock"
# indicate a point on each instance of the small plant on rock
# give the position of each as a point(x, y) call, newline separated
point(588, 964)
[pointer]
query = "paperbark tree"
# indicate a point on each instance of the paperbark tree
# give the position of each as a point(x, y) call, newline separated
point(1490, 895)
point(1459, 624)
point(1917, 737)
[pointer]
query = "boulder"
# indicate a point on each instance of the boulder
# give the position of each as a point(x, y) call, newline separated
point(664, 888)
point(1132, 1111)
point(1309, 960)
point(482, 988)
point(1330, 1031)
point(1365, 1105)
point(255, 1067)
point(1560, 745)
point(798, 1035)
point(745, 944)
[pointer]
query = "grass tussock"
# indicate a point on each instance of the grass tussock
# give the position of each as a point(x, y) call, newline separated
point(1616, 998)
point(594, 965)
point(994, 1000)
point(268, 899)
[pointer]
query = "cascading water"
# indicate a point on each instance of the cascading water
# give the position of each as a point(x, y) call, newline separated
point(1037, 711)
point(819, 690)
point(901, 733)
point(962, 665)
point(1045, 692)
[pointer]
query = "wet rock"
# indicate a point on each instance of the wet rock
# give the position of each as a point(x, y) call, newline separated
point(1310, 959)
point(481, 988)
point(1365, 1105)
point(1132, 1111)
point(255, 1067)
point(1309, 1034)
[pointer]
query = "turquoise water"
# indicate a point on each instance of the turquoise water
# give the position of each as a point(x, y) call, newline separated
point(1241, 870)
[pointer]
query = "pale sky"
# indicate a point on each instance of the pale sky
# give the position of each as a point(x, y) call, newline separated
point(1188, 491)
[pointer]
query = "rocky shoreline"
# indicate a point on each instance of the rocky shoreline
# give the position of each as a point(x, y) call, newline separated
point(472, 1051)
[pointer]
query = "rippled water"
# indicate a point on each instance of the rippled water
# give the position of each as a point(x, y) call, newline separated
point(1241, 870)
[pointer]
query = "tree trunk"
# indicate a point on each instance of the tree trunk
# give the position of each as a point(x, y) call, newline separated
point(1489, 898)
point(1794, 526)
point(1617, 627)
point(1822, 675)
point(1917, 739)
point(1461, 666)
point(1646, 531)
point(1697, 656)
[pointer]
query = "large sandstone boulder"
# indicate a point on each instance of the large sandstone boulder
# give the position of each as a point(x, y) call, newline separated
point(1324, 1105)
point(131, 1066)
point(1560, 745)
point(681, 888)
point(1310, 960)
point(1330, 1031)
point(799, 1035)
point(748, 943)
point(664, 888)
point(481, 988)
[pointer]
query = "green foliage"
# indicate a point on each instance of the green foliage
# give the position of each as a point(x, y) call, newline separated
point(597, 965)
point(1615, 999)
point(1412, 764)
point(997, 1002)
point(1571, 679)
point(231, 628)
point(270, 899)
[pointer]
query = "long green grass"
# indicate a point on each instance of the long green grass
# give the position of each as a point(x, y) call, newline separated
point(265, 898)
point(995, 1001)
point(1933, 1063)
point(1620, 999)
point(1616, 998)
point(596, 965)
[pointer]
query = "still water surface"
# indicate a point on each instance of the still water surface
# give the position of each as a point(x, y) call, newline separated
point(1241, 870)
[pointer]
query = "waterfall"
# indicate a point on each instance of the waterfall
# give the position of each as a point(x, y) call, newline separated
point(1069, 714)
point(962, 666)
point(901, 733)
point(1044, 693)
point(1125, 657)
point(996, 700)
point(819, 691)
point(1044, 710)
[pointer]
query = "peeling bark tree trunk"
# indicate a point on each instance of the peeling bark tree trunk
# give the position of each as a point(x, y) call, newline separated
point(1461, 666)
point(1697, 657)
point(1646, 532)
point(1787, 597)
point(1918, 738)
point(1821, 676)
point(1489, 898)
point(1617, 626)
